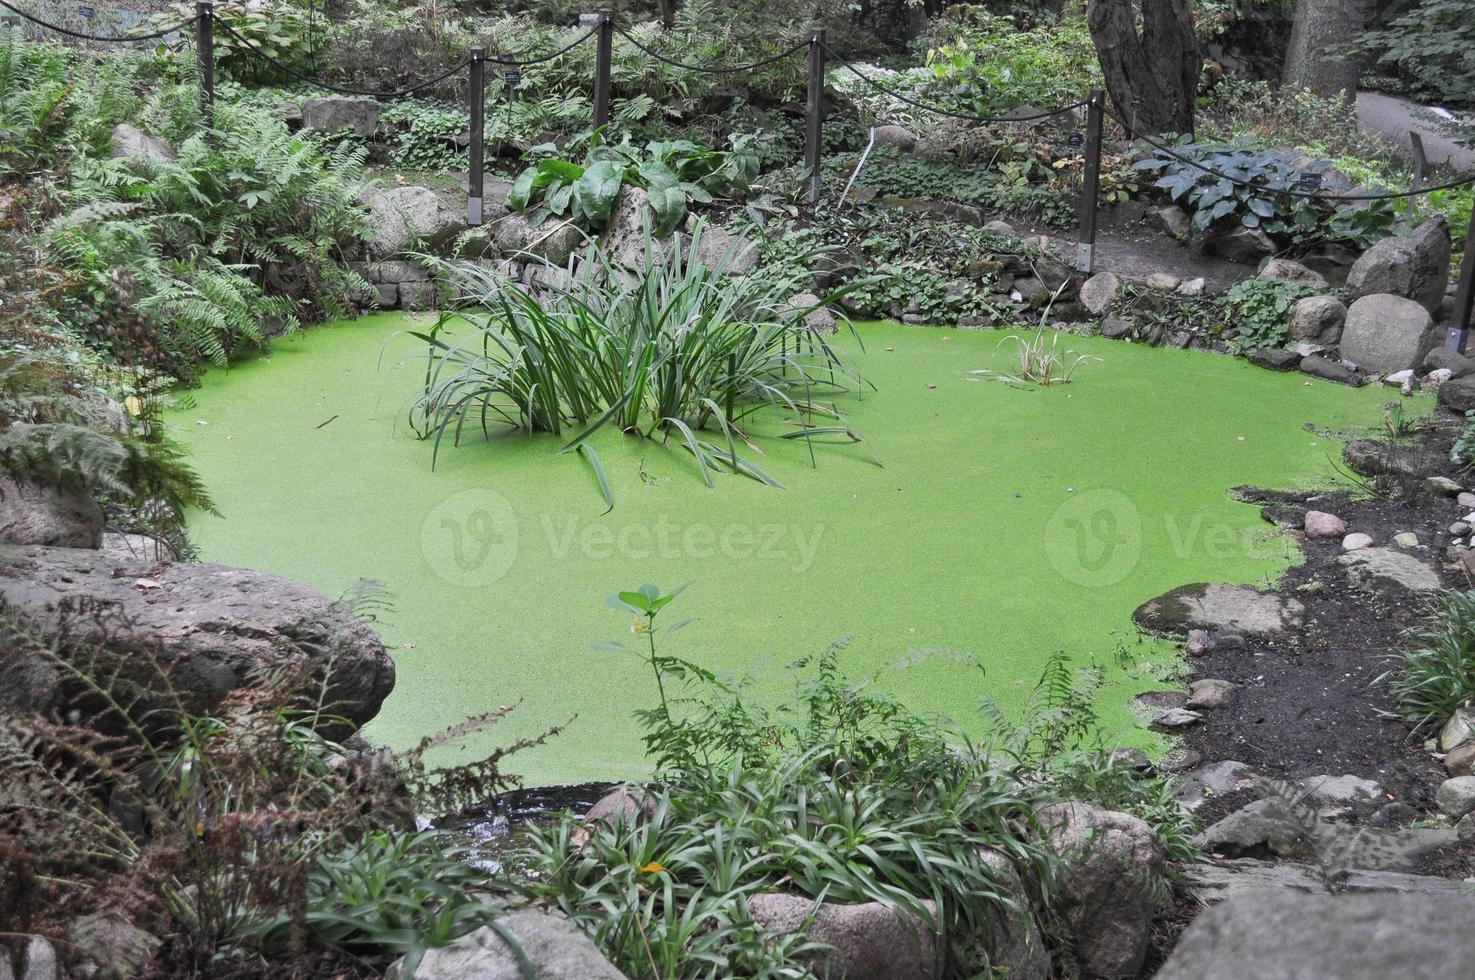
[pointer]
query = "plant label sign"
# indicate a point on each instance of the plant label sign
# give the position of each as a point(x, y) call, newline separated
point(1309, 182)
point(512, 78)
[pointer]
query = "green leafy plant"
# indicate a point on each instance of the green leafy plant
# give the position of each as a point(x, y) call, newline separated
point(1433, 46)
point(1436, 673)
point(1260, 310)
point(280, 30)
point(1041, 361)
point(682, 347)
point(672, 173)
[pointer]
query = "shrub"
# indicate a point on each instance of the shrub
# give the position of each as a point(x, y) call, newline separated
point(282, 30)
point(984, 64)
point(671, 351)
point(1433, 46)
point(1436, 674)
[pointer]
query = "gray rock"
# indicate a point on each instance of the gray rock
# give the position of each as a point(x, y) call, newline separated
point(1394, 814)
point(720, 250)
point(1443, 485)
point(898, 136)
point(1262, 827)
point(1163, 282)
point(1460, 760)
point(1323, 790)
point(999, 227)
point(1099, 292)
point(1239, 244)
point(136, 547)
point(209, 628)
point(1275, 358)
point(1115, 327)
point(1114, 874)
point(117, 948)
point(1406, 539)
point(425, 295)
point(1356, 541)
point(408, 217)
point(1286, 935)
point(1215, 881)
point(628, 804)
point(1458, 730)
point(1373, 569)
point(1214, 779)
point(1369, 457)
point(1441, 357)
point(1176, 719)
point(1193, 287)
point(132, 143)
point(552, 242)
point(1171, 220)
point(1386, 333)
point(629, 225)
point(1210, 693)
point(1318, 320)
point(1458, 395)
point(395, 272)
point(1330, 370)
point(1288, 271)
point(336, 114)
point(818, 319)
point(555, 948)
point(1456, 796)
point(1216, 607)
point(1015, 944)
point(869, 941)
point(1415, 268)
point(36, 513)
point(38, 960)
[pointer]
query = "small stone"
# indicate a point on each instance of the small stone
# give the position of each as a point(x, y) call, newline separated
point(1406, 539)
point(1442, 485)
point(1456, 796)
point(1459, 529)
point(1356, 542)
point(1438, 377)
point(1330, 370)
point(1099, 292)
point(1460, 761)
point(1115, 327)
point(1164, 282)
point(1459, 730)
point(1210, 693)
point(1192, 287)
point(1399, 378)
point(1160, 700)
point(1228, 641)
point(1339, 789)
point(1275, 358)
point(1320, 524)
point(1466, 500)
point(1395, 814)
point(1198, 642)
point(1176, 719)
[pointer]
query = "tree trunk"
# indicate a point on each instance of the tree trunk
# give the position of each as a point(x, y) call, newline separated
point(1152, 78)
point(1321, 38)
point(668, 13)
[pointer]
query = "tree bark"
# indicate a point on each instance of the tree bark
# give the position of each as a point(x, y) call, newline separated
point(668, 13)
point(1152, 78)
point(1322, 35)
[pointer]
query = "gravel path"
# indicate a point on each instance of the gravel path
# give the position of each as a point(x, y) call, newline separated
point(1394, 117)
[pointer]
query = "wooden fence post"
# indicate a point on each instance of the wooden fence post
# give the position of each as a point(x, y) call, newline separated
point(814, 130)
point(1091, 182)
point(602, 64)
point(476, 178)
point(205, 50)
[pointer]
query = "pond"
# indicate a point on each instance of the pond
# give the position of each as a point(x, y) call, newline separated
point(1002, 524)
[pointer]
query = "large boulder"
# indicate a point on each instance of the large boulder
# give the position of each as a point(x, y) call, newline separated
point(1415, 267)
point(1386, 333)
point(1099, 292)
point(1216, 607)
point(208, 629)
point(1238, 244)
point(132, 143)
point(1285, 934)
point(1114, 879)
point(552, 241)
point(337, 114)
point(409, 217)
point(631, 221)
point(1015, 944)
point(1458, 395)
point(868, 941)
point(38, 513)
point(552, 945)
point(1318, 320)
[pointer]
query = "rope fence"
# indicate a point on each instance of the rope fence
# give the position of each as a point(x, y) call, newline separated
point(819, 54)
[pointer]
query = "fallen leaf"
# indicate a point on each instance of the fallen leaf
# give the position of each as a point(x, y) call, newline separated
point(655, 867)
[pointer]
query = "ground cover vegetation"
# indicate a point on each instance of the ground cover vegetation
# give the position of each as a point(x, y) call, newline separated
point(266, 838)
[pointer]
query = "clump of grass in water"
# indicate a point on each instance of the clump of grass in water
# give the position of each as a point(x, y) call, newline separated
point(678, 350)
point(1041, 361)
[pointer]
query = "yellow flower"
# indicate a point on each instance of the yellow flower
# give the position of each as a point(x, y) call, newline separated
point(654, 868)
point(637, 627)
point(134, 405)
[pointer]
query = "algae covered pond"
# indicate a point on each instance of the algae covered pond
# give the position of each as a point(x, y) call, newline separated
point(1004, 524)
